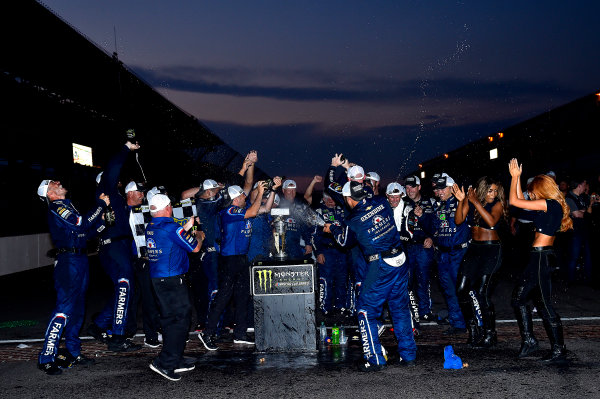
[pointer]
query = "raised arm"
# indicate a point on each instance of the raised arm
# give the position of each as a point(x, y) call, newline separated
point(516, 195)
point(311, 186)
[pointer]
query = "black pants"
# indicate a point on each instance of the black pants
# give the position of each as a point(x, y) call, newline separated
point(234, 281)
point(535, 283)
point(480, 263)
point(150, 312)
point(175, 316)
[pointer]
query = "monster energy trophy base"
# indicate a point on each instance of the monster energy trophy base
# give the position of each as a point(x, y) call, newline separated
point(284, 305)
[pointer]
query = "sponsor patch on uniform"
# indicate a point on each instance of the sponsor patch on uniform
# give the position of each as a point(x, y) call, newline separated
point(234, 210)
point(150, 243)
point(64, 212)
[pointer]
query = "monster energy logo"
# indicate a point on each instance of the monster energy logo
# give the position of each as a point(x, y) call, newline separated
point(262, 279)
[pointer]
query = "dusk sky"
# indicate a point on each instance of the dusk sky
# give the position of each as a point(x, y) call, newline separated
point(389, 83)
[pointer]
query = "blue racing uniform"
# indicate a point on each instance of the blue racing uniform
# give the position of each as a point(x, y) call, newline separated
point(70, 232)
point(371, 224)
point(334, 272)
point(234, 274)
point(296, 228)
point(451, 242)
point(261, 238)
point(115, 251)
point(205, 282)
point(168, 246)
point(419, 259)
point(335, 178)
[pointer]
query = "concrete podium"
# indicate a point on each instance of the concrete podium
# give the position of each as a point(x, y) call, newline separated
point(284, 305)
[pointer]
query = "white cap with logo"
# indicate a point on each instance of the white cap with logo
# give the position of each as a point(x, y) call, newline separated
point(289, 184)
point(158, 202)
point(373, 176)
point(395, 189)
point(209, 184)
point(234, 191)
point(356, 173)
point(43, 188)
point(132, 186)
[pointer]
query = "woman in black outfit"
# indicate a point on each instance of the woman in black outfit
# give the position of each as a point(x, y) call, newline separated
point(482, 208)
point(552, 215)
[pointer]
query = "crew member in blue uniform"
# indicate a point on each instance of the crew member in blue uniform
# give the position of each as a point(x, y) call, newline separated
point(371, 224)
point(339, 172)
point(69, 231)
point(115, 258)
point(297, 227)
point(451, 242)
point(203, 275)
point(332, 261)
point(418, 245)
point(234, 273)
point(168, 246)
point(262, 232)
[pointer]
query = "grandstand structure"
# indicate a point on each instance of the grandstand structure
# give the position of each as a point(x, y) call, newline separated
point(59, 88)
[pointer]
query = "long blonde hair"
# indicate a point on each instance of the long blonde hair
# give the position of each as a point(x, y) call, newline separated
point(546, 188)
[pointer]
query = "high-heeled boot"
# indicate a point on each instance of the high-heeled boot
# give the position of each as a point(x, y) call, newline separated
point(490, 337)
point(475, 333)
point(558, 351)
point(528, 342)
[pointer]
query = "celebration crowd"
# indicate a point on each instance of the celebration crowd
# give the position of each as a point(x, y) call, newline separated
point(375, 248)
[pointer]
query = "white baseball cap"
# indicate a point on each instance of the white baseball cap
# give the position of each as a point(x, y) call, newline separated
point(209, 184)
point(234, 191)
point(155, 191)
point(395, 189)
point(346, 190)
point(158, 202)
point(99, 177)
point(289, 184)
point(133, 186)
point(43, 188)
point(373, 176)
point(356, 173)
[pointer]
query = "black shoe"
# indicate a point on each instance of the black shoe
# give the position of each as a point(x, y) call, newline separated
point(557, 356)
point(50, 368)
point(187, 364)
point(208, 341)
point(489, 340)
point(168, 374)
point(245, 339)
point(118, 343)
point(428, 317)
point(407, 363)
point(98, 333)
point(528, 346)
point(83, 361)
point(366, 367)
point(454, 331)
point(151, 343)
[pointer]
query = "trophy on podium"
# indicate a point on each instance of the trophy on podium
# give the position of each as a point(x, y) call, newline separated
point(279, 229)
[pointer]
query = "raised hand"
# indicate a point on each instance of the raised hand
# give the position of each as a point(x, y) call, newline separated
point(459, 193)
point(514, 168)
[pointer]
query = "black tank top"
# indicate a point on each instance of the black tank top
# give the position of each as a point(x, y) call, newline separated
point(549, 222)
point(481, 222)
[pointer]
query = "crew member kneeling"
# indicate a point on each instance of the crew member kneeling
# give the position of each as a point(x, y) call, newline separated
point(168, 245)
point(371, 223)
